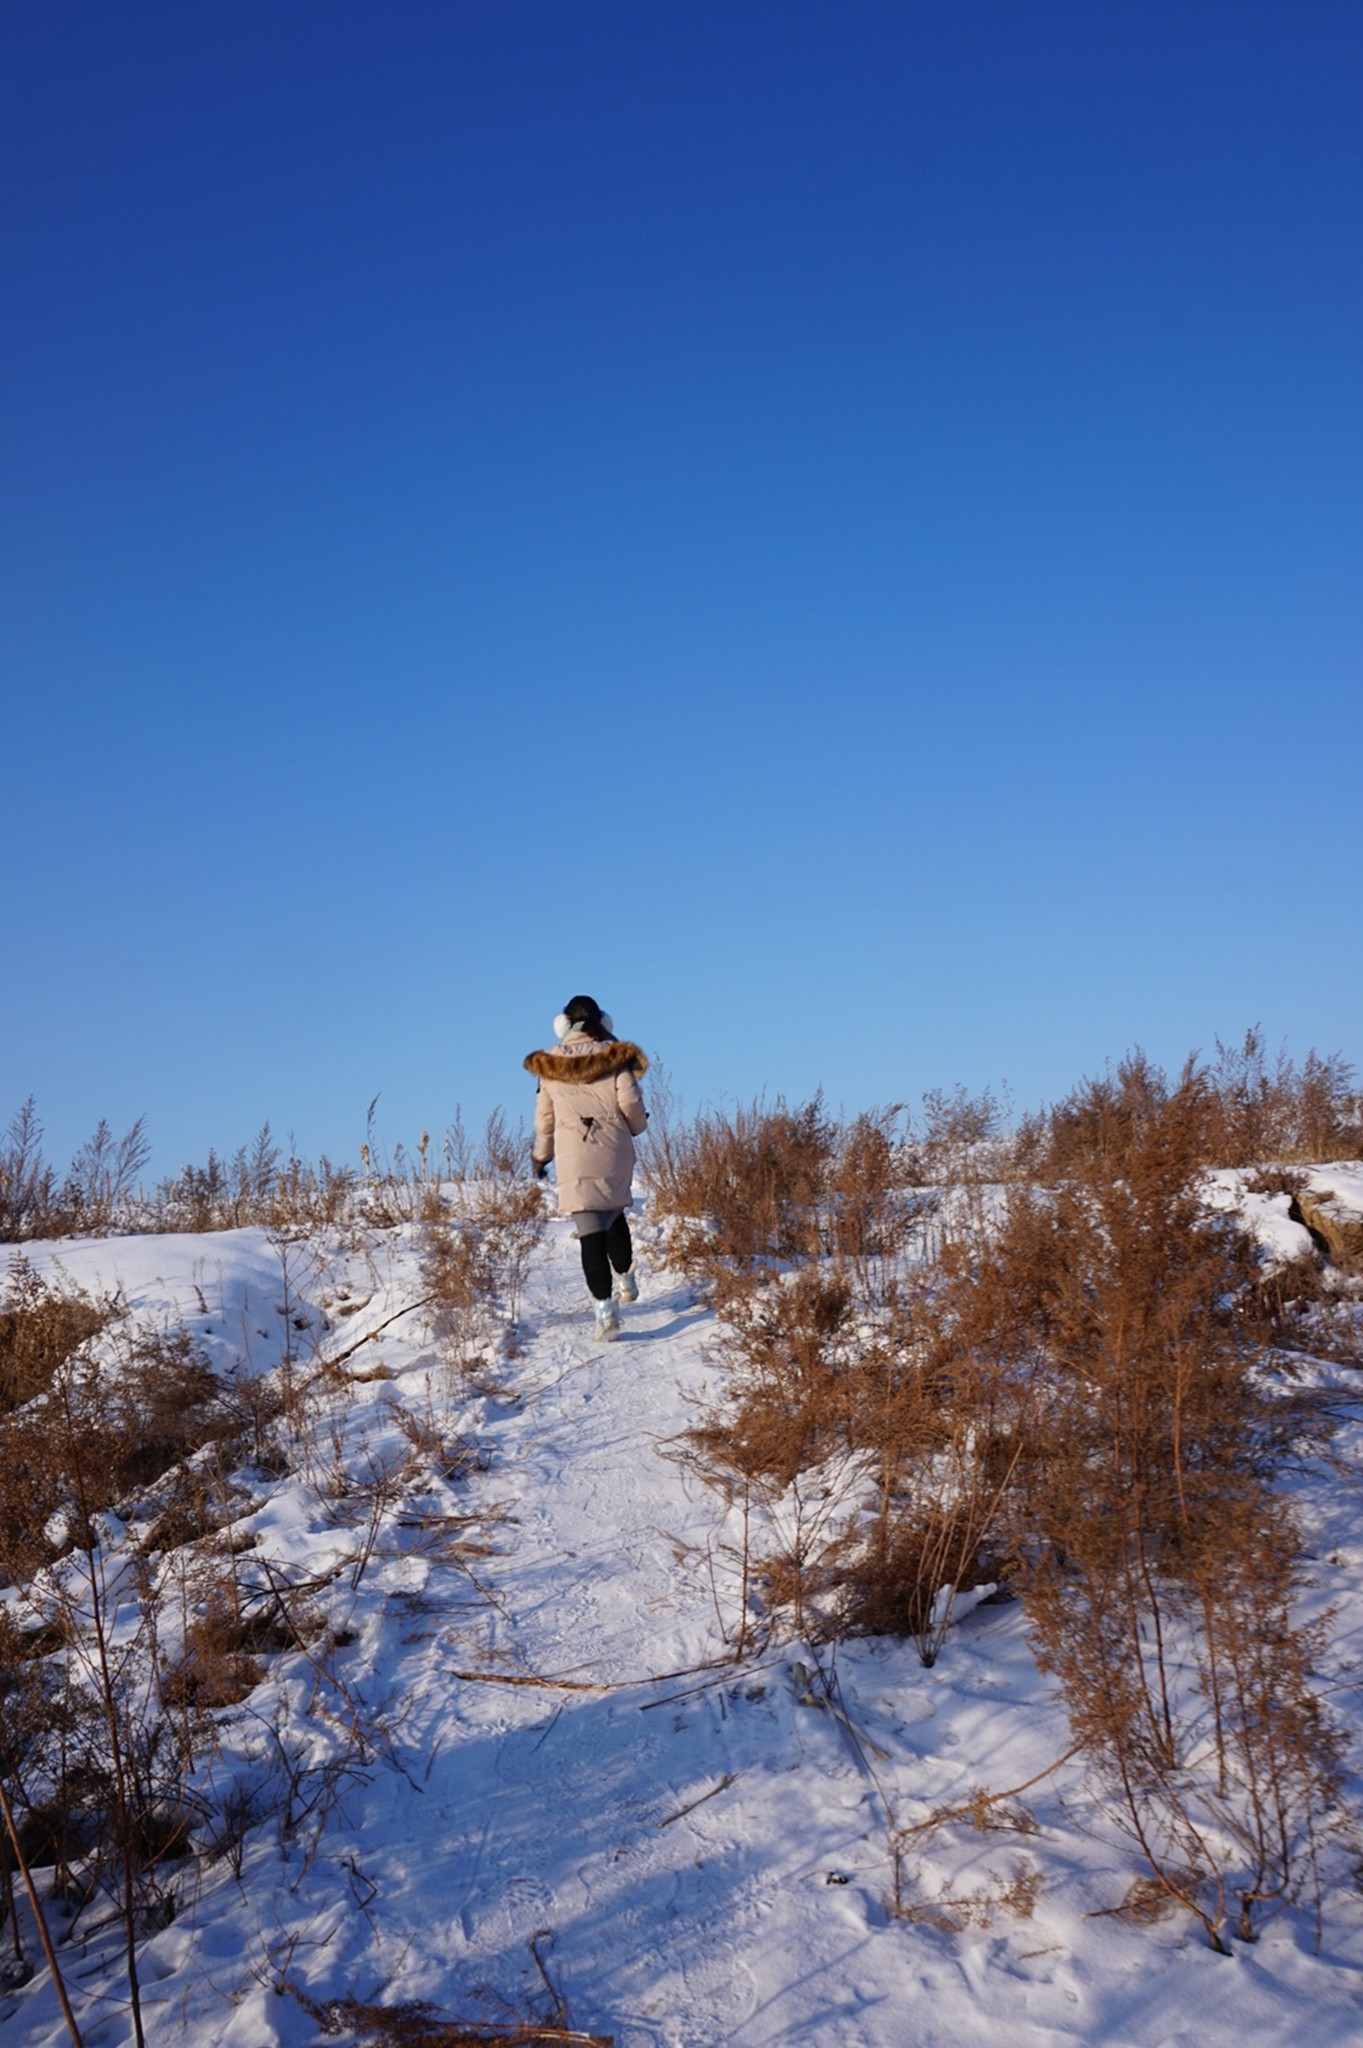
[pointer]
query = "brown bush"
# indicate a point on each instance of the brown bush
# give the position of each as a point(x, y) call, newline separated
point(101, 1430)
point(1270, 1109)
point(40, 1326)
point(791, 1401)
point(743, 1190)
point(1145, 1515)
point(1244, 1109)
point(896, 1589)
point(217, 1665)
point(746, 1192)
point(476, 1245)
point(456, 1271)
point(868, 1208)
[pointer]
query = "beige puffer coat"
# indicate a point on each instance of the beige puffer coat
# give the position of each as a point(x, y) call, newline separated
point(587, 1115)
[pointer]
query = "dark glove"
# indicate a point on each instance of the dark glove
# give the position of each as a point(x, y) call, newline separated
point(541, 1167)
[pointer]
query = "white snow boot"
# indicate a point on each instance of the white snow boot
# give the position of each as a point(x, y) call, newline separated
point(607, 1321)
point(626, 1286)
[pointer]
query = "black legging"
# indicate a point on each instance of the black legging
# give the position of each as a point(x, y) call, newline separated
point(604, 1250)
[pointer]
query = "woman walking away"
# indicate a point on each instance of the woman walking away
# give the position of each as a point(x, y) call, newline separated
point(587, 1115)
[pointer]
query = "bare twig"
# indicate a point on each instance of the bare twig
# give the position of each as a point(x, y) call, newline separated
point(713, 1793)
point(39, 1916)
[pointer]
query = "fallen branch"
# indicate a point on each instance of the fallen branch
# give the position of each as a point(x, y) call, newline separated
point(330, 1364)
point(713, 1793)
point(529, 1678)
point(587, 1684)
point(421, 2025)
point(724, 1677)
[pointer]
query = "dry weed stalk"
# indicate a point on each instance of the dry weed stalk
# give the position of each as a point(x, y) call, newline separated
point(477, 1241)
point(115, 1423)
point(418, 2024)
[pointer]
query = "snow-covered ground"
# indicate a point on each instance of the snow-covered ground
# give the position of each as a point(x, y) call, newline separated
point(535, 1728)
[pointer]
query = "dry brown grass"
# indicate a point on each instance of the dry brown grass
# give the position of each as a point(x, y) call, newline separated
point(1015, 1895)
point(746, 1192)
point(476, 1244)
point(102, 1190)
point(1247, 1109)
point(100, 1427)
point(40, 1326)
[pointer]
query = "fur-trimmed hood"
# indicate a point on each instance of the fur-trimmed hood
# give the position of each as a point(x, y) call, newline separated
point(594, 1062)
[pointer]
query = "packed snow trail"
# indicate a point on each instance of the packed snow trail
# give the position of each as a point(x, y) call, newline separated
point(558, 1749)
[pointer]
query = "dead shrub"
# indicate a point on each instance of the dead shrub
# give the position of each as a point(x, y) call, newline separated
point(27, 1182)
point(791, 1401)
point(746, 1190)
point(1270, 1109)
point(476, 1245)
point(959, 1143)
point(1067, 1390)
point(873, 1448)
point(1146, 1901)
point(1252, 1111)
point(217, 1665)
point(40, 1326)
point(165, 1401)
point(1315, 1323)
point(197, 1501)
point(941, 1427)
point(1146, 1521)
point(101, 1430)
point(38, 1516)
point(782, 1437)
point(879, 1449)
point(33, 1715)
point(907, 1585)
point(456, 1272)
point(868, 1210)
point(435, 1447)
point(508, 1211)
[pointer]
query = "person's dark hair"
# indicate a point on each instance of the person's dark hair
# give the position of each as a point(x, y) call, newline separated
point(585, 1013)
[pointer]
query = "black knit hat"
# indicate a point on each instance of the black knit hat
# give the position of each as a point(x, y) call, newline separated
point(584, 1013)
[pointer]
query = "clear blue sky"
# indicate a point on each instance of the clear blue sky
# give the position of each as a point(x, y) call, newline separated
point(835, 528)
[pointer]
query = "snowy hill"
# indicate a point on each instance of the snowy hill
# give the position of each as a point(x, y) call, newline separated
point(511, 1766)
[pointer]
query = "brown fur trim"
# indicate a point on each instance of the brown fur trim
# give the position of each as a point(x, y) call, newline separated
point(619, 1058)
